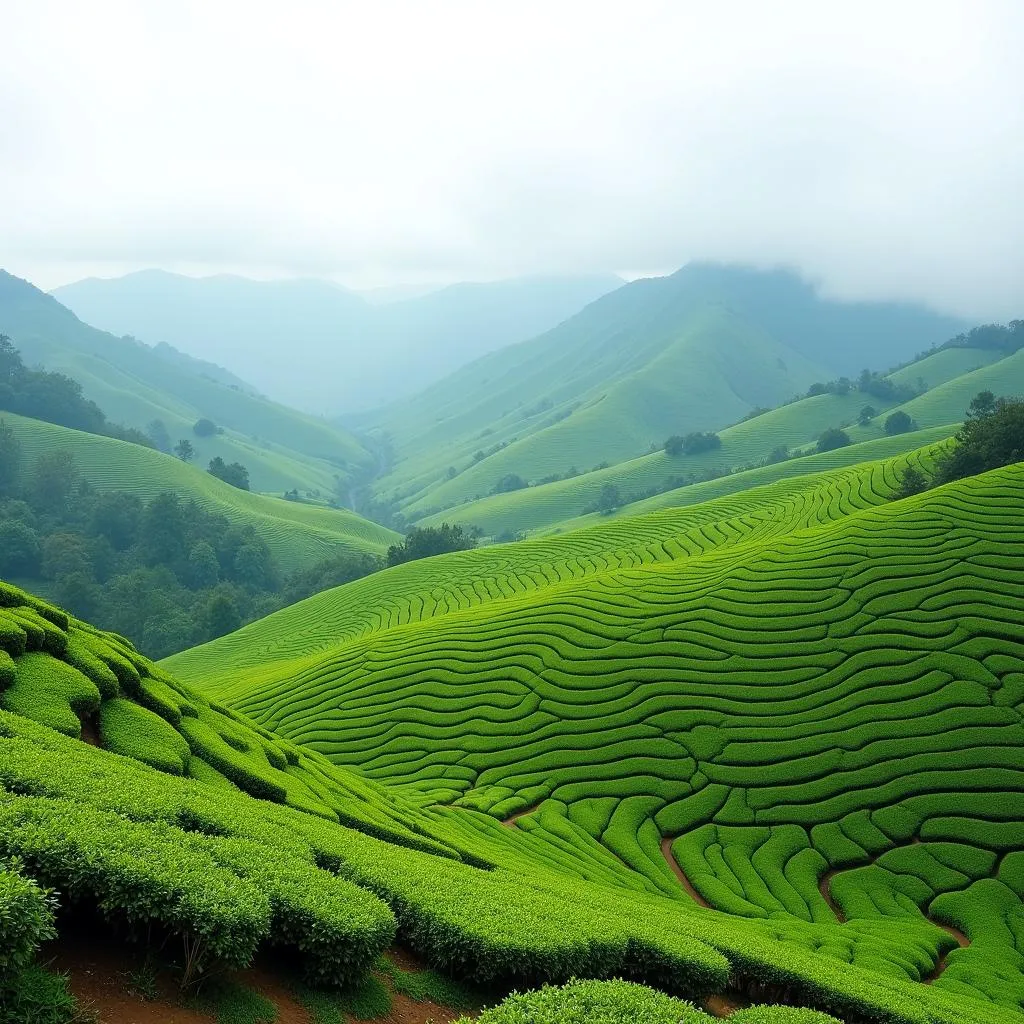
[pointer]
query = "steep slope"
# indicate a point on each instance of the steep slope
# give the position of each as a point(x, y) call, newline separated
point(694, 351)
point(135, 384)
point(206, 830)
point(297, 534)
point(320, 347)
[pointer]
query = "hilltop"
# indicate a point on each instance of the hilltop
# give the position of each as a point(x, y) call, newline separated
point(323, 348)
point(136, 384)
point(695, 351)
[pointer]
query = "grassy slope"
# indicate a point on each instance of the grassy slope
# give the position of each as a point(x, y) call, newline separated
point(135, 384)
point(297, 534)
point(623, 373)
point(951, 374)
point(263, 840)
point(803, 678)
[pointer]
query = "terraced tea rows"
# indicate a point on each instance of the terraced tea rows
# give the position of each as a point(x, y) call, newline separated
point(265, 651)
point(297, 534)
point(196, 859)
point(815, 683)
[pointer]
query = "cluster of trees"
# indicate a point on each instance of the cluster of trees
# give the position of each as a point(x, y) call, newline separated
point(869, 383)
point(991, 336)
point(55, 398)
point(509, 482)
point(233, 473)
point(166, 573)
point(992, 436)
point(422, 542)
point(692, 444)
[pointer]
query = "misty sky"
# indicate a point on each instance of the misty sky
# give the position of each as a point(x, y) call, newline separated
point(877, 146)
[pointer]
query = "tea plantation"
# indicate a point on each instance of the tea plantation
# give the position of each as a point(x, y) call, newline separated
point(799, 705)
point(769, 745)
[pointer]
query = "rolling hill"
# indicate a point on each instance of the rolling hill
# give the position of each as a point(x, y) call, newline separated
point(320, 347)
point(297, 534)
point(761, 749)
point(695, 351)
point(799, 705)
point(952, 377)
point(135, 384)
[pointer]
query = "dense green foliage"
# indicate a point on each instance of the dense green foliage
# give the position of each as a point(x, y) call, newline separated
point(778, 684)
point(233, 473)
point(430, 540)
point(53, 397)
point(166, 572)
point(992, 436)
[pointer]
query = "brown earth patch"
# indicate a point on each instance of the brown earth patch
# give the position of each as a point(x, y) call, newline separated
point(670, 859)
point(511, 821)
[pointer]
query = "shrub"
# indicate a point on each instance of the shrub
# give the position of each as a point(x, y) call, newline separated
point(26, 919)
point(832, 439)
point(51, 692)
point(898, 423)
point(204, 427)
point(592, 1002)
point(133, 731)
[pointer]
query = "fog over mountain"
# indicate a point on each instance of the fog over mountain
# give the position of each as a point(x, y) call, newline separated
point(319, 347)
point(875, 147)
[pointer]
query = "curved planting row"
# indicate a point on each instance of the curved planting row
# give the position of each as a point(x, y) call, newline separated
point(785, 701)
point(273, 648)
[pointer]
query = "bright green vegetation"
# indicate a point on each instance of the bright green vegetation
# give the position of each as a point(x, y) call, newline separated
point(695, 351)
point(27, 991)
point(953, 376)
point(429, 986)
point(756, 691)
point(230, 1002)
point(265, 842)
point(134, 384)
point(614, 1002)
point(297, 534)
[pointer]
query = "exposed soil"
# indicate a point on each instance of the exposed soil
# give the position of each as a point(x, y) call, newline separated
point(723, 1006)
point(666, 852)
point(103, 975)
point(99, 974)
point(510, 822)
point(90, 734)
point(825, 888)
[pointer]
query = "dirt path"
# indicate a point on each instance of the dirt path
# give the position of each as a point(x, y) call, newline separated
point(670, 859)
point(511, 822)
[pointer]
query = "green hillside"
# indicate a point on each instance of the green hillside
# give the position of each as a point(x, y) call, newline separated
point(952, 377)
point(297, 534)
point(135, 384)
point(140, 799)
point(694, 351)
point(310, 334)
point(799, 704)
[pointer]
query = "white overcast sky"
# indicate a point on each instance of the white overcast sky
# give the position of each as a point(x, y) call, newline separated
point(877, 146)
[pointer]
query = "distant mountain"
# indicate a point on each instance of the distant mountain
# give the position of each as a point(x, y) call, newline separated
point(319, 347)
point(694, 351)
point(135, 384)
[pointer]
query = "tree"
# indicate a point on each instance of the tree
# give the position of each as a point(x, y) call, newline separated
point(430, 540)
point(184, 450)
point(982, 404)
point(66, 554)
point(157, 433)
point(674, 446)
point(10, 458)
point(509, 482)
point(986, 442)
point(53, 480)
point(866, 415)
point(203, 567)
point(898, 423)
point(609, 498)
point(222, 614)
point(117, 517)
point(832, 439)
point(697, 442)
point(204, 427)
point(19, 548)
point(912, 482)
point(233, 473)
